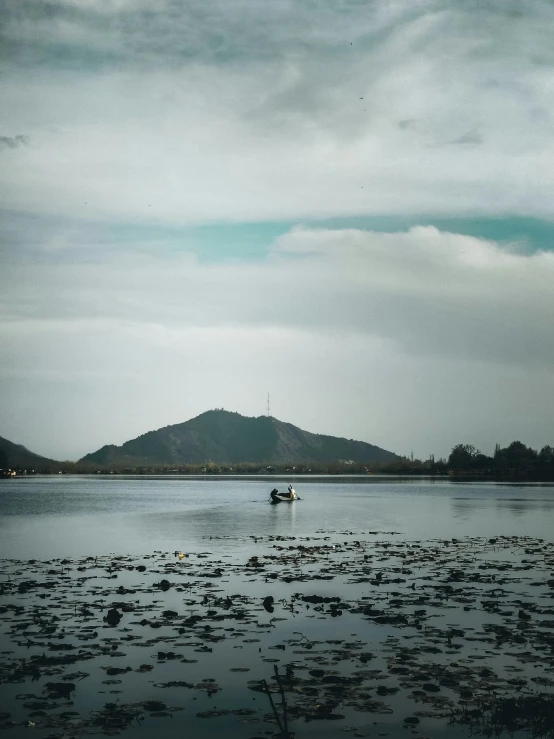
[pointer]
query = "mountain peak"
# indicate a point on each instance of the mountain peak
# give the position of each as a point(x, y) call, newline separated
point(227, 437)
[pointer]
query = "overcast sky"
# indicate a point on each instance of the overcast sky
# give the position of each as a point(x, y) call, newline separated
point(345, 204)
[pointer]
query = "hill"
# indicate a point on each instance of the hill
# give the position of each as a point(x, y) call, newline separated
point(229, 438)
point(17, 456)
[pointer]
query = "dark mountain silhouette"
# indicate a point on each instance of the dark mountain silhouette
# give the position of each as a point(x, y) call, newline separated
point(15, 455)
point(225, 438)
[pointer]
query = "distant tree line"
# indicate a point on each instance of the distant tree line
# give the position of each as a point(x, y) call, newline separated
point(516, 461)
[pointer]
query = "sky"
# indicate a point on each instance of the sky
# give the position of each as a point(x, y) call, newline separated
point(346, 205)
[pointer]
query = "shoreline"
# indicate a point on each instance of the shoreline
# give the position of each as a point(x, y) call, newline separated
point(307, 477)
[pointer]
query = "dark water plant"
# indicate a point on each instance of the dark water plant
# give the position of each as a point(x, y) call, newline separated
point(533, 714)
point(281, 718)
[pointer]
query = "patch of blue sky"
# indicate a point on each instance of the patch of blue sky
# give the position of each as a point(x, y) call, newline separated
point(38, 236)
point(251, 241)
point(209, 243)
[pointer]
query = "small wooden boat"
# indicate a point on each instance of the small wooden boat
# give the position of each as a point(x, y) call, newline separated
point(277, 497)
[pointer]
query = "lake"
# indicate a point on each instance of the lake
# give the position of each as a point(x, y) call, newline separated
point(147, 606)
point(43, 517)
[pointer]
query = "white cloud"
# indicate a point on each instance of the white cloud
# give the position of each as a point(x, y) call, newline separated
point(427, 291)
point(273, 125)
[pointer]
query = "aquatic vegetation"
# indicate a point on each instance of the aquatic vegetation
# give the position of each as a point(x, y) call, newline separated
point(348, 627)
point(530, 713)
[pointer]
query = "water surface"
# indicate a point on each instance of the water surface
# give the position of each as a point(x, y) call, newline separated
point(65, 516)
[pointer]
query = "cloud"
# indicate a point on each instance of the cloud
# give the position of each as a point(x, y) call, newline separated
point(130, 33)
point(407, 123)
point(426, 291)
point(187, 113)
point(12, 142)
point(470, 138)
point(437, 293)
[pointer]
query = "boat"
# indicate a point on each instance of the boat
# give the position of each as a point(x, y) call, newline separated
point(288, 497)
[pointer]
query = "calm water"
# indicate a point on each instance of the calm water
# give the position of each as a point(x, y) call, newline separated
point(45, 517)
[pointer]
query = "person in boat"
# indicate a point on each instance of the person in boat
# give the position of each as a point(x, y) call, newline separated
point(277, 497)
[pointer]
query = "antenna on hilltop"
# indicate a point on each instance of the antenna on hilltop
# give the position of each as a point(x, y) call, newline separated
point(268, 411)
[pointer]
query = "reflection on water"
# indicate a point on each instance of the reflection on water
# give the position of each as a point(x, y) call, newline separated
point(47, 517)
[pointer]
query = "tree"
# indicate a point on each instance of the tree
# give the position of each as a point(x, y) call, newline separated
point(463, 456)
point(546, 455)
point(516, 455)
point(482, 462)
